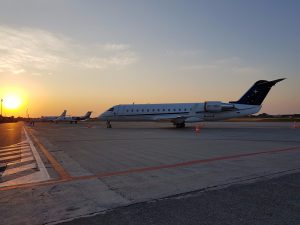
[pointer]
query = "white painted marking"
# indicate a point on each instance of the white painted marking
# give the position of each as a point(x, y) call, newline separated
point(10, 152)
point(9, 149)
point(16, 156)
point(13, 146)
point(23, 160)
point(18, 169)
point(37, 157)
point(35, 176)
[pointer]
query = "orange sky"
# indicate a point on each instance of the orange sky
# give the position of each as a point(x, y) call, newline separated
point(41, 97)
point(108, 54)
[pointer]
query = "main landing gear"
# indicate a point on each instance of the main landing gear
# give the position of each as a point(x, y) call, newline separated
point(179, 125)
point(108, 124)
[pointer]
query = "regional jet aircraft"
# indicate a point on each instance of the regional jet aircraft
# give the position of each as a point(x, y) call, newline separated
point(181, 113)
point(74, 119)
point(52, 118)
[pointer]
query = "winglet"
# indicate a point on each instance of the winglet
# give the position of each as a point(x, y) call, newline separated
point(276, 81)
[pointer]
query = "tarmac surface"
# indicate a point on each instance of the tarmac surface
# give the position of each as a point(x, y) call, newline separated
point(11, 133)
point(20, 162)
point(94, 170)
point(275, 201)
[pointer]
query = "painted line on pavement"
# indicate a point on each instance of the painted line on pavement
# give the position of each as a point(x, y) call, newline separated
point(145, 169)
point(37, 157)
point(55, 164)
point(183, 164)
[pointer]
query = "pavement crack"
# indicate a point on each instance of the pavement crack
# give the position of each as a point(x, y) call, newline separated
point(116, 190)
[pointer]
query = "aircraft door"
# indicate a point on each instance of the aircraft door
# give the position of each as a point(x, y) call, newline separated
point(119, 110)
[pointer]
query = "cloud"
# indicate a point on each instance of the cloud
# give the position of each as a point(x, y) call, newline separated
point(187, 61)
point(115, 47)
point(230, 65)
point(38, 51)
point(116, 56)
point(184, 52)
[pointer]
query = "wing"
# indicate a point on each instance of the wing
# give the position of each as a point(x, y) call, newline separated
point(168, 118)
point(175, 118)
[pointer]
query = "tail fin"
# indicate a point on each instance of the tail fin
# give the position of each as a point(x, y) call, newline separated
point(88, 114)
point(257, 93)
point(63, 114)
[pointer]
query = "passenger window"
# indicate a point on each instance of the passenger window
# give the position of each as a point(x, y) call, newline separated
point(169, 110)
point(174, 110)
point(185, 109)
point(137, 110)
point(163, 109)
point(142, 110)
point(132, 110)
point(111, 110)
point(147, 110)
point(179, 110)
point(157, 110)
point(153, 110)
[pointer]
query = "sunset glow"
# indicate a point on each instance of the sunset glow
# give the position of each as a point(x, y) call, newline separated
point(195, 52)
point(12, 101)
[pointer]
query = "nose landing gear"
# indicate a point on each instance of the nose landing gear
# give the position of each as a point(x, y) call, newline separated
point(179, 125)
point(108, 124)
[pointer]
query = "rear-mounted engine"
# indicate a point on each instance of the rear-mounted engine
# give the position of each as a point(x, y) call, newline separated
point(216, 106)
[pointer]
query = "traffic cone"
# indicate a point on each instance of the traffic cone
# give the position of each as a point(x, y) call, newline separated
point(295, 125)
point(197, 129)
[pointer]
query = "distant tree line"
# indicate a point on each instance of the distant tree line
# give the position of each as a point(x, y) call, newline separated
point(265, 115)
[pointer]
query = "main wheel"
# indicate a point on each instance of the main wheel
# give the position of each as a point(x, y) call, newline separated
point(108, 125)
point(180, 125)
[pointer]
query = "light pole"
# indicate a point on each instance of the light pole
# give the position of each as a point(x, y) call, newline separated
point(1, 106)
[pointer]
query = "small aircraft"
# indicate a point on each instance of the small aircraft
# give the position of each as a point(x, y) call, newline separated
point(74, 119)
point(52, 118)
point(181, 113)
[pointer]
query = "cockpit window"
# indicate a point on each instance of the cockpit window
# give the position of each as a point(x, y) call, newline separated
point(111, 110)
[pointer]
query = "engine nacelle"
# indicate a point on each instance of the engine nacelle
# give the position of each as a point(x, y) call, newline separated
point(217, 106)
point(213, 106)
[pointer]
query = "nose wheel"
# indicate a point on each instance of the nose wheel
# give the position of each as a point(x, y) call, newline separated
point(180, 125)
point(108, 124)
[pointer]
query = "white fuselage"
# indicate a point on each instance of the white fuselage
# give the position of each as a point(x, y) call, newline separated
point(73, 118)
point(181, 113)
point(176, 113)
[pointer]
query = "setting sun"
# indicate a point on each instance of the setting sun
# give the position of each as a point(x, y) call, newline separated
point(12, 101)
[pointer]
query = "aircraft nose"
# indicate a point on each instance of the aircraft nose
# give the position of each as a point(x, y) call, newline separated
point(102, 115)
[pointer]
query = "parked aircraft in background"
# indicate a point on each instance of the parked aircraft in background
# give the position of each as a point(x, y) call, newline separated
point(74, 119)
point(181, 113)
point(52, 118)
